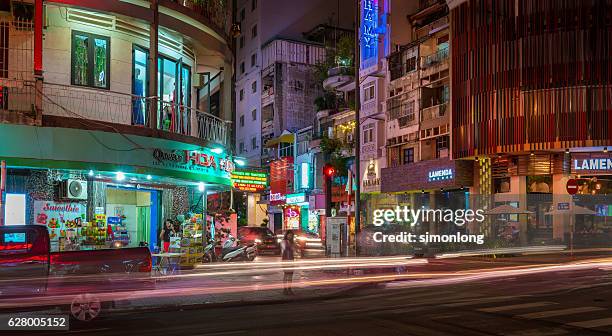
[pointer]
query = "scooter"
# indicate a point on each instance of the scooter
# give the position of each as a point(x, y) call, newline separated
point(209, 254)
point(229, 252)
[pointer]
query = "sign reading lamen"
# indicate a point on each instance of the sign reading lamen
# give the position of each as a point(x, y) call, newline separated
point(249, 180)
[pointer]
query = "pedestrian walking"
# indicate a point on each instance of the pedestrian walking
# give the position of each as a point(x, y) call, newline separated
point(287, 255)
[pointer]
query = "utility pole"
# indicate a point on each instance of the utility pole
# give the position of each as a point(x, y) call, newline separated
point(357, 129)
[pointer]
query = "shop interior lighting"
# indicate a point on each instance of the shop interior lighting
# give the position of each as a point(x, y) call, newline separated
point(201, 187)
point(149, 177)
point(217, 150)
point(567, 151)
point(605, 149)
point(120, 176)
point(240, 162)
point(91, 173)
point(532, 153)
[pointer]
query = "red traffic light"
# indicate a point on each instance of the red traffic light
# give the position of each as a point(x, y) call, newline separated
point(329, 170)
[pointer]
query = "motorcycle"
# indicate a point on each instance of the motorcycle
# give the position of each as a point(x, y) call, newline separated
point(229, 252)
point(209, 254)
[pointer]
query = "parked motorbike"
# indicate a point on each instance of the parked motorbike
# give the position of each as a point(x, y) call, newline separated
point(209, 254)
point(232, 251)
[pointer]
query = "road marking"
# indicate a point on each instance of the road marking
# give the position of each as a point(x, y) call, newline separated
point(538, 332)
point(560, 312)
point(479, 301)
point(516, 306)
point(593, 323)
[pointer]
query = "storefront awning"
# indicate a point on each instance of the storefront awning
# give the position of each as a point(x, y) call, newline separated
point(287, 138)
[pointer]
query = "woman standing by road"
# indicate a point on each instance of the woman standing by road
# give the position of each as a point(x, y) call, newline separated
point(165, 234)
point(287, 255)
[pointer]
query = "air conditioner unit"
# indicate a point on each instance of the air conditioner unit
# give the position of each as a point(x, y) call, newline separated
point(74, 190)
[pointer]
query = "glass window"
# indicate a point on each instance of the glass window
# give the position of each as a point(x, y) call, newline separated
point(368, 93)
point(241, 67)
point(408, 155)
point(90, 60)
point(253, 60)
point(254, 115)
point(241, 94)
point(185, 85)
point(242, 41)
point(253, 5)
point(254, 31)
point(253, 143)
point(242, 15)
point(139, 85)
point(254, 87)
point(241, 147)
point(241, 121)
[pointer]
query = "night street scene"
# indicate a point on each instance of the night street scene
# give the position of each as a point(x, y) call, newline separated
point(306, 167)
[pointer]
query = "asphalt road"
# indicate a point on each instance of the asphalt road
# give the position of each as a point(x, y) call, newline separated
point(577, 302)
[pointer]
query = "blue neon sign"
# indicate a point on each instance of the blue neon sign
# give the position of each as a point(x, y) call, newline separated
point(368, 31)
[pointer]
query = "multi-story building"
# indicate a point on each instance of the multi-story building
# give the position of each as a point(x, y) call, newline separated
point(99, 118)
point(530, 96)
point(276, 82)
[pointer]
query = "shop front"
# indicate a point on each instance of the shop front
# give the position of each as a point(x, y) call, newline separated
point(97, 190)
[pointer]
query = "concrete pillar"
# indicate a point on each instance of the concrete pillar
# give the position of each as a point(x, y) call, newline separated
point(560, 223)
point(518, 190)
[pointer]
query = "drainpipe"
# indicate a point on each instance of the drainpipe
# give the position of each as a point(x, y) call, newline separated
point(38, 61)
point(2, 190)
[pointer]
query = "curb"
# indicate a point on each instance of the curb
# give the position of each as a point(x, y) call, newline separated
point(239, 303)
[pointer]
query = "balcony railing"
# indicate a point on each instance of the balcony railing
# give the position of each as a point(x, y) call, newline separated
point(126, 109)
point(434, 112)
point(435, 58)
point(214, 10)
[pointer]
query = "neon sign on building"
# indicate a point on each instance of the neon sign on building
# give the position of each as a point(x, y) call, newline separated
point(368, 31)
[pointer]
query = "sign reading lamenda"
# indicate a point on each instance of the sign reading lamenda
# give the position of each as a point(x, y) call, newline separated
point(440, 174)
point(593, 164)
point(249, 180)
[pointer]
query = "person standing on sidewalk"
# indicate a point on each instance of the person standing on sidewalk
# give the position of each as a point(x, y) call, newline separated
point(165, 234)
point(287, 255)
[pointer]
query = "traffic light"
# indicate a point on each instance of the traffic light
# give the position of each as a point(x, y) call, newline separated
point(329, 170)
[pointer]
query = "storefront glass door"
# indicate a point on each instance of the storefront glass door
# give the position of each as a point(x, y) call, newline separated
point(140, 58)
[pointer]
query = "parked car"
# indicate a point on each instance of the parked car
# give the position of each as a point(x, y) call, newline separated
point(262, 237)
point(28, 268)
point(309, 244)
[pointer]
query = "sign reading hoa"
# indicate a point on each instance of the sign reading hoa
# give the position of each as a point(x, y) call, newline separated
point(440, 175)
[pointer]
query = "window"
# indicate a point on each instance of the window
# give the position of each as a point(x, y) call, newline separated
point(254, 114)
point(368, 93)
point(242, 121)
point(442, 146)
point(241, 147)
point(253, 143)
point(242, 15)
point(411, 64)
point(253, 5)
point(242, 41)
point(253, 60)
point(90, 60)
point(241, 94)
point(368, 135)
point(408, 155)
point(241, 67)
point(254, 31)
point(254, 87)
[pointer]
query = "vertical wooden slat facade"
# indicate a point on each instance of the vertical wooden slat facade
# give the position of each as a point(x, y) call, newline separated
point(531, 75)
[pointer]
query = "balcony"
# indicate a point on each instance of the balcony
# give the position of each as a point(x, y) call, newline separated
point(339, 78)
point(434, 116)
point(435, 66)
point(215, 13)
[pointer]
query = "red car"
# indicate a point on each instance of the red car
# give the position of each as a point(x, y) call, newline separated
point(28, 268)
point(262, 237)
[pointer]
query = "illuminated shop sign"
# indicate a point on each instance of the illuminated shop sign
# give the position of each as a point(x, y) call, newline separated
point(292, 217)
point(249, 180)
point(191, 160)
point(296, 198)
point(368, 31)
point(593, 164)
point(277, 197)
point(440, 175)
point(305, 175)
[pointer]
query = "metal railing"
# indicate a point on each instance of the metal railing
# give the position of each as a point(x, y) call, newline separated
point(434, 58)
point(127, 109)
point(214, 10)
point(434, 112)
